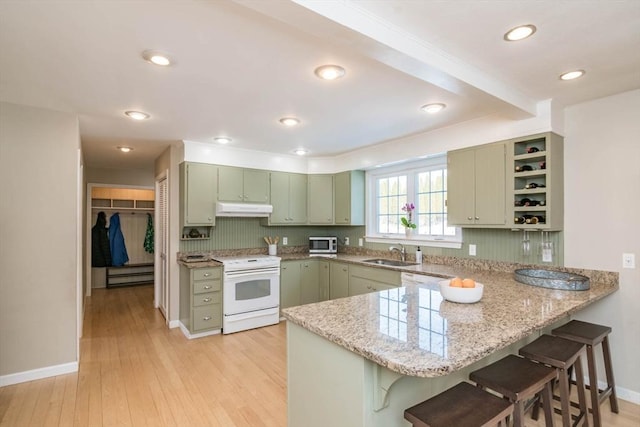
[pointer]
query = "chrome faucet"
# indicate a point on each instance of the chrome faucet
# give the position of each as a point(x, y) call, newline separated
point(403, 252)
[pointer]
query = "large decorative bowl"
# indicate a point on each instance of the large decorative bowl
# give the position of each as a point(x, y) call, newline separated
point(461, 295)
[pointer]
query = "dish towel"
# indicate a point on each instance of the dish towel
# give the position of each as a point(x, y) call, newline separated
point(119, 256)
point(148, 236)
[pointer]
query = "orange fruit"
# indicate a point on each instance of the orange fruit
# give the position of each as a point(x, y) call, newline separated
point(468, 283)
point(456, 282)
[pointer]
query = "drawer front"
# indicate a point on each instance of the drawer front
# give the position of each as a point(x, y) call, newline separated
point(203, 286)
point(207, 317)
point(207, 299)
point(378, 274)
point(206, 273)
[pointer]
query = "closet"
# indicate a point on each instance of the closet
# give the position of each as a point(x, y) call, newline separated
point(133, 206)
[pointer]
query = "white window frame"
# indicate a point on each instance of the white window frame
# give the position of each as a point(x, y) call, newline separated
point(412, 169)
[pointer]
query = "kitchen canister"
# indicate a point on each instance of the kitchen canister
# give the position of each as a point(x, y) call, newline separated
point(273, 249)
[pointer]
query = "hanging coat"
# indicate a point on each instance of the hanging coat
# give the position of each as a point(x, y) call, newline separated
point(100, 246)
point(119, 255)
point(148, 236)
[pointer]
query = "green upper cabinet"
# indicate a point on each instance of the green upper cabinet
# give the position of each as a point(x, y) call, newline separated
point(320, 202)
point(349, 198)
point(243, 185)
point(198, 194)
point(289, 198)
point(256, 186)
point(476, 186)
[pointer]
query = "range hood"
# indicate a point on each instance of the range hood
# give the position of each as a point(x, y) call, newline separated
point(243, 209)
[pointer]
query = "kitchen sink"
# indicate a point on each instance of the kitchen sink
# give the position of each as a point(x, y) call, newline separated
point(390, 262)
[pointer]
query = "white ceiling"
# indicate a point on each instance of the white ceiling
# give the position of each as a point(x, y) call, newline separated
point(241, 65)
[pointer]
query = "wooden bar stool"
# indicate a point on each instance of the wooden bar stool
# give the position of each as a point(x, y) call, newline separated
point(591, 335)
point(519, 380)
point(462, 405)
point(563, 355)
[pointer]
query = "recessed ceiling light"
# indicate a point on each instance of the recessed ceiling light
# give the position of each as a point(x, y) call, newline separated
point(572, 75)
point(519, 33)
point(137, 115)
point(329, 72)
point(289, 121)
point(157, 58)
point(124, 149)
point(222, 140)
point(433, 108)
point(301, 151)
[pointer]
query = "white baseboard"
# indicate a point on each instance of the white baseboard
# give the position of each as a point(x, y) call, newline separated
point(37, 374)
point(174, 324)
point(622, 393)
point(191, 336)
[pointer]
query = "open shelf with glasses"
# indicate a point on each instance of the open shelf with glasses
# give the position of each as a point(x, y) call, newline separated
point(536, 182)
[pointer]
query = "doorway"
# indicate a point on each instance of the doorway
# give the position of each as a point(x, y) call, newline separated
point(134, 207)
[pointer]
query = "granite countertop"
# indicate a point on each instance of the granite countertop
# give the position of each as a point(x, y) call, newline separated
point(411, 330)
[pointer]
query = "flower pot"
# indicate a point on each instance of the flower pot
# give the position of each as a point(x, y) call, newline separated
point(408, 232)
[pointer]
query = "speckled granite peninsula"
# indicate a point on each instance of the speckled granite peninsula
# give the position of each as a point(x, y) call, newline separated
point(361, 360)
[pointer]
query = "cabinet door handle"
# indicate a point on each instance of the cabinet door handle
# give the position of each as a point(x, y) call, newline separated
point(207, 287)
point(206, 300)
point(206, 318)
point(207, 274)
point(469, 218)
point(477, 218)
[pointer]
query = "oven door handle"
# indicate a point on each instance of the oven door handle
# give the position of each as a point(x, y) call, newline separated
point(250, 273)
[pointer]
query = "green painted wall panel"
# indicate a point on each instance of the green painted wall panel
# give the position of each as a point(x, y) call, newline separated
point(491, 244)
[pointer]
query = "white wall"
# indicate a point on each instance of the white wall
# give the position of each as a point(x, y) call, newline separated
point(38, 242)
point(602, 207)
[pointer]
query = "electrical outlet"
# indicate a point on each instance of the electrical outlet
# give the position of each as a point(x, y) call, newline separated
point(346, 241)
point(628, 260)
point(472, 250)
point(285, 241)
point(360, 242)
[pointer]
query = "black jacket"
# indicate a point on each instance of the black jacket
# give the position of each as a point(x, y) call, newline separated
point(100, 249)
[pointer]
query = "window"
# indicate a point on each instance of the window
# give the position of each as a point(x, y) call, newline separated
point(422, 183)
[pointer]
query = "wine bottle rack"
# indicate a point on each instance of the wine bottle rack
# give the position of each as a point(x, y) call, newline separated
point(536, 164)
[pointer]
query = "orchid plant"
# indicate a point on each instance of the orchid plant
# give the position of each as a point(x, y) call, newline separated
point(407, 222)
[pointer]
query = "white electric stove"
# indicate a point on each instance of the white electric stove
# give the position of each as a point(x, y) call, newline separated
point(251, 292)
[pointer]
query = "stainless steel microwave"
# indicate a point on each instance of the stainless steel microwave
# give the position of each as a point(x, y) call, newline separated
point(323, 245)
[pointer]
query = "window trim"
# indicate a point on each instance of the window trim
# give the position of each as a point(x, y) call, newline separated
point(432, 162)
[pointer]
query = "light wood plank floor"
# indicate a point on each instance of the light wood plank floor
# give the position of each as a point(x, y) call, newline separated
point(136, 372)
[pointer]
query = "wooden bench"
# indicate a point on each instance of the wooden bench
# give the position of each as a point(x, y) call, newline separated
point(130, 275)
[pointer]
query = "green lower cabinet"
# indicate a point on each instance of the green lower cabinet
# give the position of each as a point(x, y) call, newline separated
point(300, 282)
point(201, 299)
point(363, 280)
point(324, 279)
point(314, 280)
point(290, 276)
point(310, 283)
point(338, 280)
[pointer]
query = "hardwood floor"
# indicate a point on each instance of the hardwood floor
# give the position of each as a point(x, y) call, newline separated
point(136, 372)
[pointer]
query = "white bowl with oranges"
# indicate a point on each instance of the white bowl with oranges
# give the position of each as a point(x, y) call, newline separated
point(465, 291)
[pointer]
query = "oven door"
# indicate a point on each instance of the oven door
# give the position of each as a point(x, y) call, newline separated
point(248, 291)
